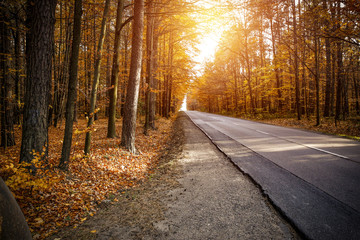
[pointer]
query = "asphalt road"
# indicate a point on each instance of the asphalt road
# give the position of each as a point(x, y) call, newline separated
point(313, 179)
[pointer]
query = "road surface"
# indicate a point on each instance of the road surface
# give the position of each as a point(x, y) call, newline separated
point(313, 179)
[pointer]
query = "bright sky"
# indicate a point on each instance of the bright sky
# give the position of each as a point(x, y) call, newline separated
point(207, 47)
point(211, 27)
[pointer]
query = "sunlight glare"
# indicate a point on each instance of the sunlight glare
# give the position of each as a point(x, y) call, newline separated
point(211, 27)
point(207, 47)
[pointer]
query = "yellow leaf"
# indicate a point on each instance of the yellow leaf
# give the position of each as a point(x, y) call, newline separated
point(93, 231)
point(83, 219)
point(39, 220)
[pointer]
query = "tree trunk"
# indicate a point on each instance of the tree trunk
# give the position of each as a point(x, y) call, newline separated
point(70, 104)
point(18, 69)
point(317, 77)
point(7, 103)
point(149, 64)
point(132, 96)
point(296, 65)
point(39, 50)
point(248, 67)
point(340, 77)
point(154, 87)
point(327, 68)
point(275, 63)
point(115, 72)
point(96, 78)
point(356, 90)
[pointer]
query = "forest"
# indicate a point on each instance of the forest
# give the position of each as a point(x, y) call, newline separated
point(89, 87)
point(285, 58)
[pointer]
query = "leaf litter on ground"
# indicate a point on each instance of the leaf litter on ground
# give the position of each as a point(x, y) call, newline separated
point(54, 199)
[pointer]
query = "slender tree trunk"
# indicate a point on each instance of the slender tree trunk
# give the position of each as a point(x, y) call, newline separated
point(275, 62)
point(132, 96)
point(169, 77)
point(328, 78)
point(18, 69)
point(154, 87)
point(125, 72)
point(96, 79)
point(356, 90)
point(115, 72)
point(249, 75)
point(149, 64)
point(7, 103)
point(340, 77)
point(317, 73)
point(296, 65)
point(327, 67)
point(39, 50)
point(73, 72)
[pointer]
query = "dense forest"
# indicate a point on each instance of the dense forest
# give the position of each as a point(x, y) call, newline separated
point(75, 59)
point(87, 87)
point(285, 58)
point(71, 67)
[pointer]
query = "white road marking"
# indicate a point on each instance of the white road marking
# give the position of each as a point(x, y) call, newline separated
point(262, 132)
point(321, 150)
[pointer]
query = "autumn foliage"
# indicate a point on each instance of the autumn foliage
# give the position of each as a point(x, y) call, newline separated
point(52, 198)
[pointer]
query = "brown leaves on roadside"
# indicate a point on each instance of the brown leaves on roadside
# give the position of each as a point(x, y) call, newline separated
point(56, 199)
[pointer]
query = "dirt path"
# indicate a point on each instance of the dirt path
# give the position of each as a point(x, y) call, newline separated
point(195, 193)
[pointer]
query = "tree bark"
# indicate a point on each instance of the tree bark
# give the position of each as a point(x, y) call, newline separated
point(328, 79)
point(7, 103)
point(339, 77)
point(149, 65)
point(96, 78)
point(296, 65)
point(275, 63)
point(114, 82)
point(70, 104)
point(132, 96)
point(154, 87)
point(39, 50)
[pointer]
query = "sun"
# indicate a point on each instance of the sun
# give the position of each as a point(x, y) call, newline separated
point(211, 25)
point(207, 47)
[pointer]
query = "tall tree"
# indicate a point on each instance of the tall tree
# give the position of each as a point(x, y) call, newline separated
point(39, 50)
point(328, 63)
point(114, 82)
point(296, 64)
point(96, 78)
point(6, 93)
point(132, 96)
point(149, 121)
point(73, 72)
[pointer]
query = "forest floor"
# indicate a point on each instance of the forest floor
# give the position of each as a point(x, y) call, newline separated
point(54, 199)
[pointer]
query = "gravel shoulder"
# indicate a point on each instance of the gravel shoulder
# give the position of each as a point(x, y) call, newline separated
point(194, 193)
